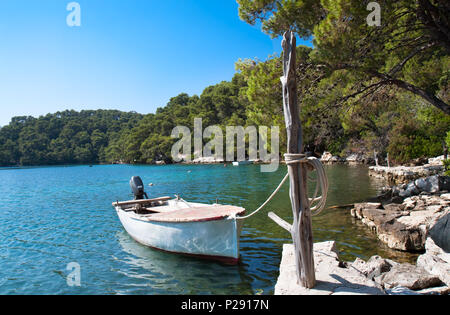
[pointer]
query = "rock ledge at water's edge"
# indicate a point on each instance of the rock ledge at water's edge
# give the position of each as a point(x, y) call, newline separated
point(378, 276)
point(430, 276)
point(413, 217)
point(333, 277)
point(406, 216)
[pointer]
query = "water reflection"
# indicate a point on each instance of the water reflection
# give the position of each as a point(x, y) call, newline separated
point(177, 274)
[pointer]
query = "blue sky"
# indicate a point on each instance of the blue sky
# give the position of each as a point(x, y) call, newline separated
point(131, 55)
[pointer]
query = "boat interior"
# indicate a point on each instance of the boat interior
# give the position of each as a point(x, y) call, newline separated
point(171, 209)
point(158, 205)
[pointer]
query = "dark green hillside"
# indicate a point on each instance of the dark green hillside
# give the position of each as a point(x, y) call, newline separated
point(67, 137)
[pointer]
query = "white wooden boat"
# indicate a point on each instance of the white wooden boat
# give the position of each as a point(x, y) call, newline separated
point(176, 226)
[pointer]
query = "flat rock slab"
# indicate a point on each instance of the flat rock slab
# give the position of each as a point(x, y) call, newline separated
point(332, 277)
point(406, 226)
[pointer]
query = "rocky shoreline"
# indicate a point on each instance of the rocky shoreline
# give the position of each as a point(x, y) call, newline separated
point(405, 174)
point(377, 276)
point(413, 217)
point(356, 158)
point(393, 174)
point(404, 216)
point(430, 276)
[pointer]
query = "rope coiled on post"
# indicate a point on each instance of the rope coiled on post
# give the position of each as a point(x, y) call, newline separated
point(317, 204)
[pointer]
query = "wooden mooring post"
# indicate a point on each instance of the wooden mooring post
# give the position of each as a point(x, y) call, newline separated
point(301, 229)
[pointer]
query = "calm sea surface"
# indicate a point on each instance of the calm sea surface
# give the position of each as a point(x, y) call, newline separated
point(53, 216)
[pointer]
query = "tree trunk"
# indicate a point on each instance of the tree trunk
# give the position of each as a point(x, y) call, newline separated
point(302, 226)
point(431, 98)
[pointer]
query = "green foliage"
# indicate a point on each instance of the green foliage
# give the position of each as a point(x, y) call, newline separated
point(150, 140)
point(447, 167)
point(361, 88)
point(67, 137)
point(418, 135)
point(447, 162)
point(115, 137)
point(409, 49)
point(391, 121)
point(280, 15)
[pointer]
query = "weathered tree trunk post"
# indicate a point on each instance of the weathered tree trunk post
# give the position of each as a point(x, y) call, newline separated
point(302, 227)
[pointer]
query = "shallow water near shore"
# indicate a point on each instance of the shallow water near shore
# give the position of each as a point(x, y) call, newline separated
point(52, 216)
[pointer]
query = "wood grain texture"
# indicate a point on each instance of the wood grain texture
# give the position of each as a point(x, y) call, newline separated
point(198, 214)
point(302, 226)
point(280, 222)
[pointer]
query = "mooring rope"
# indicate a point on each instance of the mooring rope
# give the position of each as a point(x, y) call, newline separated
point(317, 203)
point(267, 201)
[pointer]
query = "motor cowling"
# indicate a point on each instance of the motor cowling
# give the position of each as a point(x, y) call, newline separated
point(137, 187)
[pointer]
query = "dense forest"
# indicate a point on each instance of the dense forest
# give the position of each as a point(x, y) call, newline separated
point(67, 137)
point(361, 88)
point(106, 136)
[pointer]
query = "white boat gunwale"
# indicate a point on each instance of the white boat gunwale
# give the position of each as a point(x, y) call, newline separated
point(195, 213)
point(213, 234)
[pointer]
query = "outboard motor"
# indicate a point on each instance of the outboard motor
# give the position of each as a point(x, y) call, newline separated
point(137, 186)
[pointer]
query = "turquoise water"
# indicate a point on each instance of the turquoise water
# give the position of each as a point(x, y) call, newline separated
point(53, 216)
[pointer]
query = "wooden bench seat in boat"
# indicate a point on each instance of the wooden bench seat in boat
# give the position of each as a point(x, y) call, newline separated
point(140, 202)
point(197, 214)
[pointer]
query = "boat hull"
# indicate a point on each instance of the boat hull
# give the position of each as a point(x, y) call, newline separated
point(215, 240)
